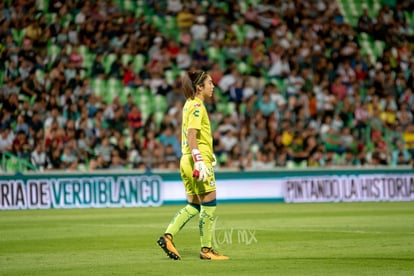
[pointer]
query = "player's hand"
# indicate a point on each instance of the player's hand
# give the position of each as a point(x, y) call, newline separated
point(214, 162)
point(200, 169)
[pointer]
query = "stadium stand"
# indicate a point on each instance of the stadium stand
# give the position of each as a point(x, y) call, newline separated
point(301, 83)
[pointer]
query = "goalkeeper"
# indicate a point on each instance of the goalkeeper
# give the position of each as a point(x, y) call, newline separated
point(196, 168)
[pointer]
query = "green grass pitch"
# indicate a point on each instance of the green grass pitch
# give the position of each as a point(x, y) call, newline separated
point(261, 239)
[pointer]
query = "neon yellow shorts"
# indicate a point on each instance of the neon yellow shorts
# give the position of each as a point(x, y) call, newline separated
point(192, 185)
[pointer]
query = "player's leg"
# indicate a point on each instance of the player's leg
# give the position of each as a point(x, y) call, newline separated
point(207, 196)
point(207, 211)
point(185, 214)
point(177, 223)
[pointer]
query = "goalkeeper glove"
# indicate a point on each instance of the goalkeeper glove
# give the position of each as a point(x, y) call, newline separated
point(200, 169)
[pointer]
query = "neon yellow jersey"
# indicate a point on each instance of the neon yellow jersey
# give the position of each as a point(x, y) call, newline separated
point(195, 116)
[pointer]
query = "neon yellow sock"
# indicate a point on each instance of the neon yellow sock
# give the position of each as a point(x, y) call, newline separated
point(206, 225)
point(181, 218)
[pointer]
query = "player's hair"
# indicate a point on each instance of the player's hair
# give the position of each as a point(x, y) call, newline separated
point(190, 81)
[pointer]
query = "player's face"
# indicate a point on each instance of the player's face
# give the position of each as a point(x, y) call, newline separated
point(208, 87)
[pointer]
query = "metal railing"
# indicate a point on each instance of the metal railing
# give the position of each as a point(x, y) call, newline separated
point(11, 163)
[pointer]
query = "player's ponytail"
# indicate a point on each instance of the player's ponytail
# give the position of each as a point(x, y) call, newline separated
point(190, 81)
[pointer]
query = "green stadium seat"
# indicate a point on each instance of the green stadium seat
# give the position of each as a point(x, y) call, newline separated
point(16, 164)
point(140, 9)
point(25, 98)
point(125, 92)
point(243, 67)
point(88, 60)
point(99, 87)
point(53, 51)
point(213, 53)
point(68, 49)
point(159, 117)
point(114, 83)
point(169, 76)
point(140, 95)
point(128, 5)
point(409, 16)
point(143, 90)
point(139, 63)
point(12, 164)
point(146, 110)
point(216, 54)
point(1, 77)
point(243, 6)
point(50, 17)
point(281, 84)
point(157, 21)
point(370, 47)
point(379, 47)
point(83, 50)
point(18, 35)
point(227, 108)
point(160, 103)
point(66, 20)
point(114, 89)
point(128, 141)
point(40, 74)
point(223, 5)
point(42, 5)
point(125, 58)
point(168, 26)
point(107, 61)
point(143, 98)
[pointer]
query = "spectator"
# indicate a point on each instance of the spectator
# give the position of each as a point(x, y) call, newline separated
point(280, 68)
point(130, 78)
point(365, 22)
point(175, 95)
point(97, 69)
point(295, 83)
point(228, 80)
point(54, 117)
point(234, 158)
point(400, 155)
point(185, 18)
point(116, 161)
point(116, 69)
point(335, 77)
point(35, 124)
point(229, 140)
point(104, 149)
point(167, 138)
point(81, 16)
point(54, 155)
point(134, 119)
point(39, 158)
point(183, 58)
point(171, 159)
point(21, 125)
point(6, 139)
point(21, 146)
point(31, 87)
point(266, 105)
point(97, 163)
point(199, 32)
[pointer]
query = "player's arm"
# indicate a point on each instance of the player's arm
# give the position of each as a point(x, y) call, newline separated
point(200, 169)
point(192, 138)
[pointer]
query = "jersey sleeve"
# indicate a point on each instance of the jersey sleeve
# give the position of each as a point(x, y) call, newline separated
point(194, 116)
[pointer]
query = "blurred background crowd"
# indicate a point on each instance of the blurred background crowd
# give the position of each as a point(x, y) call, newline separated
point(89, 85)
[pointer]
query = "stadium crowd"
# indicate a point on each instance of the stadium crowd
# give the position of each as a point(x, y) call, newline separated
point(294, 86)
